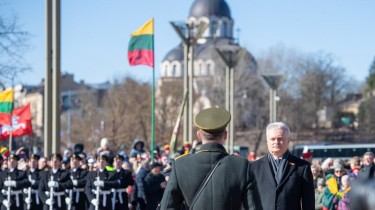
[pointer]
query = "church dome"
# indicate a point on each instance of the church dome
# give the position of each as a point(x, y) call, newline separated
point(208, 8)
point(176, 53)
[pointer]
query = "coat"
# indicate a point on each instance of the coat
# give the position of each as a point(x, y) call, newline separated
point(62, 177)
point(232, 185)
point(21, 180)
point(105, 193)
point(153, 190)
point(296, 188)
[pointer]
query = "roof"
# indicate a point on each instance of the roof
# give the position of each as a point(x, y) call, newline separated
point(208, 8)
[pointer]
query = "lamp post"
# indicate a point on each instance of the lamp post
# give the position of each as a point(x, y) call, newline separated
point(230, 58)
point(273, 80)
point(189, 35)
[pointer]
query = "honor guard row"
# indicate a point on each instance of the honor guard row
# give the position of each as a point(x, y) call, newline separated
point(58, 189)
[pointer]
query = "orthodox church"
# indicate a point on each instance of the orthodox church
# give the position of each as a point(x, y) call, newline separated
point(209, 68)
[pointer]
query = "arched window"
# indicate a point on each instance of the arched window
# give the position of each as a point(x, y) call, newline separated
point(174, 70)
point(225, 29)
point(209, 69)
point(213, 28)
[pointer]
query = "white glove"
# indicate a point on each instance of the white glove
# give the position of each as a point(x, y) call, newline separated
point(99, 183)
point(32, 181)
point(49, 202)
point(6, 203)
point(94, 202)
point(53, 184)
point(10, 183)
point(27, 200)
point(75, 182)
point(68, 201)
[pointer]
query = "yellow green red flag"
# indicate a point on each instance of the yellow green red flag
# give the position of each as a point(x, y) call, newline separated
point(6, 106)
point(141, 45)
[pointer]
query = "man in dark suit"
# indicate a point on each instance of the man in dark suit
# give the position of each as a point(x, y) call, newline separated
point(286, 180)
point(232, 185)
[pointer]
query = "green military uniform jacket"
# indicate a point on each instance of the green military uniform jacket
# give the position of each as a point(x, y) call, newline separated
point(232, 186)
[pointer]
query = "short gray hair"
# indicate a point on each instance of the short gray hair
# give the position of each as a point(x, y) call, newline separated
point(279, 125)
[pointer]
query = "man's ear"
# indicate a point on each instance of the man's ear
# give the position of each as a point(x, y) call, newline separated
point(225, 135)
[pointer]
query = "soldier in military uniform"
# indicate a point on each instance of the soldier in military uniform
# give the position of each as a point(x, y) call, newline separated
point(99, 184)
point(12, 181)
point(32, 200)
point(124, 179)
point(231, 186)
point(55, 181)
point(76, 199)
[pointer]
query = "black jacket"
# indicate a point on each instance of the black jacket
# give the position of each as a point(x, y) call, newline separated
point(232, 185)
point(296, 188)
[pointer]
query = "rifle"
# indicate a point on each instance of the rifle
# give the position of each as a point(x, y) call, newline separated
point(51, 192)
point(9, 191)
point(29, 194)
point(70, 196)
point(97, 190)
point(173, 144)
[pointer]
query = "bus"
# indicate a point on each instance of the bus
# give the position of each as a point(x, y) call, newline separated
point(342, 151)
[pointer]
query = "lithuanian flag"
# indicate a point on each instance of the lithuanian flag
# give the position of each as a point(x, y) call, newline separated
point(141, 45)
point(6, 107)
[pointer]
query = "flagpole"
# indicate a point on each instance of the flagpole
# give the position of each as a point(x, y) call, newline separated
point(153, 99)
point(11, 120)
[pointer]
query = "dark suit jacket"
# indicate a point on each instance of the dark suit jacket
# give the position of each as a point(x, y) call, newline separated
point(295, 191)
point(232, 185)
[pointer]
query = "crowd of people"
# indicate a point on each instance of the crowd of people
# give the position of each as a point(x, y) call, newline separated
point(333, 179)
point(114, 180)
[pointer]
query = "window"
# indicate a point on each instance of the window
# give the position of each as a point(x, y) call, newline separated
point(225, 29)
point(174, 70)
point(209, 69)
point(213, 28)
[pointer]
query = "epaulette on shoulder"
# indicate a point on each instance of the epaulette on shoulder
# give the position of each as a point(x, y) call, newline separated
point(181, 156)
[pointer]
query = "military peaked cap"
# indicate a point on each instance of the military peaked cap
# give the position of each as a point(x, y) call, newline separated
point(56, 156)
point(102, 157)
point(34, 156)
point(76, 157)
point(212, 120)
point(119, 157)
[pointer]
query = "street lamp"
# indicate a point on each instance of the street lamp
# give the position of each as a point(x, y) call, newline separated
point(189, 34)
point(231, 58)
point(273, 80)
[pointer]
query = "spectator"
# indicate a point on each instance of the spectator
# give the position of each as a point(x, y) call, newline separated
point(355, 165)
point(333, 184)
point(78, 148)
point(368, 169)
point(343, 196)
point(327, 163)
point(317, 173)
point(319, 194)
point(138, 194)
point(104, 149)
point(166, 150)
point(154, 184)
point(138, 147)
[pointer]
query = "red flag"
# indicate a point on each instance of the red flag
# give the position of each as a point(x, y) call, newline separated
point(21, 123)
